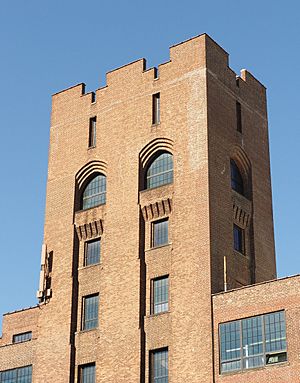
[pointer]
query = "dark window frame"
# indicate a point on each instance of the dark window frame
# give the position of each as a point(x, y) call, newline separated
point(97, 198)
point(239, 239)
point(239, 126)
point(92, 132)
point(86, 261)
point(152, 377)
point(81, 371)
point(18, 372)
point(152, 177)
point(153, 305)
point(242, 332)
point(156, 108)
point(22, 337)
point(85, 322)
point(236, 178)
point(155, 243)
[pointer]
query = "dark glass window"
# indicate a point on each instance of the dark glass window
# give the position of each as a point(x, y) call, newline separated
point(237, 183)
point(253, 342)
point(90, 312)
point(92, 252)
point(17, 375)
point(95, 192)
point(160, 172)
point(159, 366)
point(238, 239)
point(160, 295)
point(87, 373)
point(23, 337)
point(156, 108)
point(92, 132)
point(238, 117)
point(160, 233)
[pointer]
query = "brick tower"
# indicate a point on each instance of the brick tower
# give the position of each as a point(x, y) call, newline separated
point(158, 196)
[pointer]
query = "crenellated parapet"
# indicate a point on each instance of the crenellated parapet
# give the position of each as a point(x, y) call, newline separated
point(198, 53)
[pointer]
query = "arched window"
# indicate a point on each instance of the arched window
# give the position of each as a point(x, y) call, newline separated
point(237, 182)
point(94, 193)
point(160, 171)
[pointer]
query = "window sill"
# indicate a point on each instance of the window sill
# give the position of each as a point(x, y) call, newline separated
point(91, 147)
point(155, 125)
point(90, 266)
point(87, 330)
point(158, 247)
point(158, 314)
point(244, 371)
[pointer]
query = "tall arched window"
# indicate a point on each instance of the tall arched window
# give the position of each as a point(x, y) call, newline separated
point(237, 182)
point(94, 193)
point(160, 171)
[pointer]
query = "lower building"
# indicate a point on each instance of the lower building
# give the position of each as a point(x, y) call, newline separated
point(158, 262)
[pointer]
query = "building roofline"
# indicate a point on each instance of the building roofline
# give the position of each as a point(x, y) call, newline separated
point(257, 284)
point(18, 311)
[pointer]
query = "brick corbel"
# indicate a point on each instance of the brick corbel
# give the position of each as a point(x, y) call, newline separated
point(89, 230)
point(157, 209)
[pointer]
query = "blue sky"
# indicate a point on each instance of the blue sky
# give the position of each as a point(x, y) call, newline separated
point(48, 46)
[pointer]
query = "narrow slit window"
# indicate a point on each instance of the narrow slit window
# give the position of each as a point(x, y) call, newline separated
point(92, 132)
point(238, 117)
point(156, 109)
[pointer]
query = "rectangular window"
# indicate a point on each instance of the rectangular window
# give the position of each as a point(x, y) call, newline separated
point(238, 117)
point(92, 132)
point(156, 108)
point(160, 233)
point(90, 312)
point(253, 342)
point(87, 373)
point(17, 375)
point(159, 370)
point(238, 239)
point(160, 295)
point(92, 252)
point(23, 337)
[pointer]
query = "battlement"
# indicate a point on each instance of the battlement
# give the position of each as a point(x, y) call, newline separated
point(197, 53)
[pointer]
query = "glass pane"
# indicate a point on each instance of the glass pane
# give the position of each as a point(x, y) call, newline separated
point(238, 239)
point(230, 344)
point(95, 192)
point(160, 233)
point(160, 171)
point(88, 374)
point(90, 312)
point(160, 295)
point(92, 252)
point(236, 178)
point(252, 336)
point(24, 375)
point(160, 367)
point(275, 334)
point(18, 338)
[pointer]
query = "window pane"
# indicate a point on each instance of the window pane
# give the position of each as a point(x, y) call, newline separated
point(160, 367)
point(88, 374)
point(160, 171)
point(24, 374)
point(238, 239)
point(95, 192)
point(160, 295)
point(92, 252)
point(18, 338)
point(230, 346)
point(275, 332)
point(160, 233)
point(236, 178)
point(18, 375)
point(90, 312)
point(156, 108)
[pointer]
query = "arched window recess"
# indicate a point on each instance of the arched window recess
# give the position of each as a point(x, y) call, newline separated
point(94, 192)
point(159, 171)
